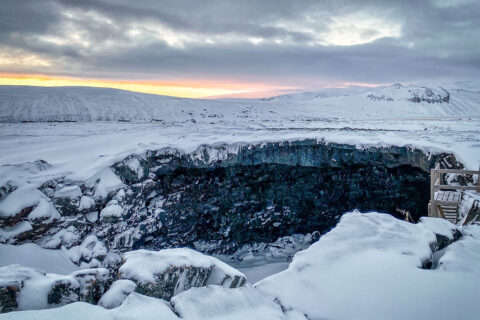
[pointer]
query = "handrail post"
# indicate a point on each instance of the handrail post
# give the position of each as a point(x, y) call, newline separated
point(433, 206)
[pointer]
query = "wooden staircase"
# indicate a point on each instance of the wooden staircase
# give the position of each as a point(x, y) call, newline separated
point(445, 199)
point(447, 204)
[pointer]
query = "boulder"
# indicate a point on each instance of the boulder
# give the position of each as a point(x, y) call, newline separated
point(63, 291)
point(12, 279)
point(57, 290)
point(93, 283)
point(165, 273)
point(117, 293)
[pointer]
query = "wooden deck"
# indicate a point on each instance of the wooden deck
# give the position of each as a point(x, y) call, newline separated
point(443, 203)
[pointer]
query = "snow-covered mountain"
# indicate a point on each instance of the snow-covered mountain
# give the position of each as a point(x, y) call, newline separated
point(32, 104)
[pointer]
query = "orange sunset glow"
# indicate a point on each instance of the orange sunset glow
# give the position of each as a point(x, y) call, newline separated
point(185, 89)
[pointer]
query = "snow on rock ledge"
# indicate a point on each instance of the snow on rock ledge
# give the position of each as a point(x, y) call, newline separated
point(119, 290)
point(165, 273)
point(373, 263)
point(214, 302)
point(27, 288)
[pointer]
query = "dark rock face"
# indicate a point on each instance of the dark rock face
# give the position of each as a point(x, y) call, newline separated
point(443, 241)
point(93, 283)
point(64, 291)
point(227, 196)
point(262, 192)
point(8, 297)
point(243, 204)
point(168, 283)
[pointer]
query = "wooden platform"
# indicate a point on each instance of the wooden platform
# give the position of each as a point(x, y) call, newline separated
point(444, 203)
point(448, 202)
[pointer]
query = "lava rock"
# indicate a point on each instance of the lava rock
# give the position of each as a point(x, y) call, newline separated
point(163, 274)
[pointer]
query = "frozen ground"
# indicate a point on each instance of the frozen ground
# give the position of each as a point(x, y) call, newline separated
point(80, 150)
point(369, 267)
point(435, 119)
point(366, 268)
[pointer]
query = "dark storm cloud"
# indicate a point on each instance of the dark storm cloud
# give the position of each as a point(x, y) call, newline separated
point(281, 41)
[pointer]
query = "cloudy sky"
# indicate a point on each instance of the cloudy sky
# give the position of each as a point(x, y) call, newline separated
point(246, 48)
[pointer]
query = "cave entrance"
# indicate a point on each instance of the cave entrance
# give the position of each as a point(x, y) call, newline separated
point(258, 203)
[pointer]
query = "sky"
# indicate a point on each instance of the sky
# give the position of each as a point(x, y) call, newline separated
point(246, 48)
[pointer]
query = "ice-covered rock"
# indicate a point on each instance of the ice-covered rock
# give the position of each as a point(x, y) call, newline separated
point(106, 182)
point(111, 211)
point(90, 248)
point(283, 248)
point(68, 192)
point(117, 293)
point(27, 288)
point(12, 279)
point(165, 273)
point(93, 283)
point(86, 203)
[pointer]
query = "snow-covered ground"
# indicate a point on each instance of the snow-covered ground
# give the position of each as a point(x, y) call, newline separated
point(449, 121)
point(368, 267)
point(32, 255)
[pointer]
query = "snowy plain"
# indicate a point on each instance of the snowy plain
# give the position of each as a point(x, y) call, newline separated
point(359, 116)
point(366, 268)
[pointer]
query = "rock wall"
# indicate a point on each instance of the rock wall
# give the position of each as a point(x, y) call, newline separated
point(220, 197)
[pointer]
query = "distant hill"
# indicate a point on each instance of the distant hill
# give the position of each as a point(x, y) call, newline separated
point(38, 104)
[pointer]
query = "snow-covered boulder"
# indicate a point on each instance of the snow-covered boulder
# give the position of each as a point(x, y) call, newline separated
point(214, 302)
point(12, 279)
point(93, 283)
point(26, 288)
point(26, 203)
point(24, 213)
point(165, 273)
point(89, 250)
point(375, 265)
point(86, 285)
point(117, 293)
point(63, 290)
point(135, 306)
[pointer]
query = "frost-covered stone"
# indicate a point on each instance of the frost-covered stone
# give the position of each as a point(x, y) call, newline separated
point(8, 234)
point(165, 273)
point(92, 217)
point(18, 204)
point(117, 293)
point(89, 249)
point(86, 285)
point(12, 279)
point(106, 182)
point(28, 288)
point(112, 210)
point(64, 291)
point(86, 203)
point(44, 211)
point(68, 192)
point(65, 237)
point(93, 283)
point(283, 248)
